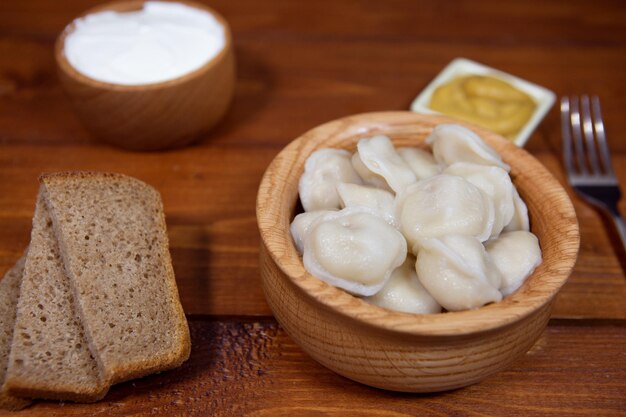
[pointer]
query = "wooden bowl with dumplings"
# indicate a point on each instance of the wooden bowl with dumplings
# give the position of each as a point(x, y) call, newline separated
point(155, 116)
point(403, 351)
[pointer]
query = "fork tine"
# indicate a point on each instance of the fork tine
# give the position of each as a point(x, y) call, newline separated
point(577, 133)
point(588, 130)
point(567, 138)
point(601, 137)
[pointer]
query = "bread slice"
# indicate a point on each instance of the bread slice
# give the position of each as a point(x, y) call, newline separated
point(9, 294)
point(50, 357)
point(112, 233)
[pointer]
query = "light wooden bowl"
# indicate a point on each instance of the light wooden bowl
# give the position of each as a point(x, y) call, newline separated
point(156, 116)
point(401, 351)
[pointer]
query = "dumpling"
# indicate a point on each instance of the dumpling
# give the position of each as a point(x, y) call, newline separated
point(421, 162)
point(516, 255)
point(378, 163)
point(520, 219)
point(443, 205)
point(368, 176)
point(353, 249)
point(322, 171)
point(454, 143)
point(380, 201)
point(457, 272)
point(404, 292)
point(493, 181)
point(300, 225)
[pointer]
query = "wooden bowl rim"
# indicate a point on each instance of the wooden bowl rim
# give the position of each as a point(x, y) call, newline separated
point(132, 5)
point(276, 237)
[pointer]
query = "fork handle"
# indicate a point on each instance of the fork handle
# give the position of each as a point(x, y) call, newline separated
point(620, 225)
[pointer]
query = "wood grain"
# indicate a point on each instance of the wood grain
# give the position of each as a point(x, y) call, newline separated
point(300, 64)
point(338, 69)
point(293, 76)
point(253, 368)
point(209, 195)
point(399, 351)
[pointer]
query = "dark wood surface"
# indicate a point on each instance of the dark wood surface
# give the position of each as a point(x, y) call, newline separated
point(301, 64)
point(253, 368)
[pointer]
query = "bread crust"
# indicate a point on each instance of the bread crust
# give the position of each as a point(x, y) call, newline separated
point(47, 322)
point(9, 295)
point(136, 205)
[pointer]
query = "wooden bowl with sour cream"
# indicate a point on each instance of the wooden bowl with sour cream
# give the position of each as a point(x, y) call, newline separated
point(401, 351)
point(153, 116)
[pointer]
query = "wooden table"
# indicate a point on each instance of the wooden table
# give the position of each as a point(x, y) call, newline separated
point(301, 64)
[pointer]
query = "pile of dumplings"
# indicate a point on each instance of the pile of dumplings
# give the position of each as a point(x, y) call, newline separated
point(413, 231)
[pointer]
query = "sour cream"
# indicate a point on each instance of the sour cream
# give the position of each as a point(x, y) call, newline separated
point(160, 42)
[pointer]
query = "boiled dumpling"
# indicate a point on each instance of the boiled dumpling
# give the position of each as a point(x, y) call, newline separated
point(454, 143)
point(378, 163)
point(457, 210)
point(516, 255)
point(457, 272)
point(404, 292)
point(443, 205)
point(496, 183)
point(323, 170)
point(380, 201)
point(368, 176)
point(520, 219)
point(353, 249)
point(300, 225)
point(421, 162)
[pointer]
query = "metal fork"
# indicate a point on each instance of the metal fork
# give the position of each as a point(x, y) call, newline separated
point(587, 157)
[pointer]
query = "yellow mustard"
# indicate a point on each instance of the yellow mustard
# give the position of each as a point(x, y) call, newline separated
point(486, 101)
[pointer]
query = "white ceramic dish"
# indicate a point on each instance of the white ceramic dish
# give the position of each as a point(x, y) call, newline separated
point(461, 66)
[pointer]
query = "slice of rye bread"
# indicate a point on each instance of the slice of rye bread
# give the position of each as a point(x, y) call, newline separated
point(112, 233)
point(50, 357)
point(9, 294)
